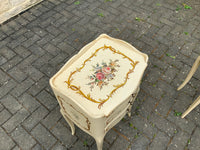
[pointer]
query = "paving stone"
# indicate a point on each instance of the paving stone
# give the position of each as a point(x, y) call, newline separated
point(170, 74)
point(194, 144)
point(5, 141)
point(193, 116)
point(160, 50)
point(35, 118)
point(196, 33)
point(3, 77)
point(167, 22)
point(120, 143)
point(22, 87)
point(164, 106)
point(154, 75)
point(162, 124)
point(4, 116)
point(51, 49)
point(167, 88)
point(188, 48)
point(38, 147)
point(16, 42)
point(15, 120)
point(44, 137)
point(127, 130)
point(11, 104)
point(23, 139)
point(143, 126)
point(184, 124)
point(164, 30)
point(44, 40)
point(2, 60)
point(153, 89)
point(160, 142)
point(158, 63)
point(111, 136)
point(11, 63)
point(60, 131)
point(34, 73)
point(16, 148)
point(39, 31)
point(60, 58)
point(140, 143)
point(29, 102)
point(179, 141)
point(66, 48)
point(31, 41)
point(7, 87)
point(46, 99)
point(22, 51)
point(38, 86)
point(182, 102)
point(1, 107)
point(52, 118)
point(23, 65)
point(7, 53)
point(80, 145)
point(36, 49)
point(83, 136)
point(42, 60)
point(59, 146)
point(17, 74)
point(18, 33)
point(48, 70)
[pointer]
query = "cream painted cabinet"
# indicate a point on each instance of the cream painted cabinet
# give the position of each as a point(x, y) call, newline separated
point(98, 86)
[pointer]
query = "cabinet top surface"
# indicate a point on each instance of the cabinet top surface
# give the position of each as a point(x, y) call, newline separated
point(102, 75)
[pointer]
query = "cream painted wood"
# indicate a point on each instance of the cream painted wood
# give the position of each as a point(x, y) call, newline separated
point(189, 76)
point(10, 8)
point(97, 118)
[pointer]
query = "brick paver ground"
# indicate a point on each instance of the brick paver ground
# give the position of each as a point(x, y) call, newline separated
point(35, 44)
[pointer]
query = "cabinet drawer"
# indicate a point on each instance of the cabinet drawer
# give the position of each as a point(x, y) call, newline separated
point(74, 114)
point(116, 119)
point(119, 109)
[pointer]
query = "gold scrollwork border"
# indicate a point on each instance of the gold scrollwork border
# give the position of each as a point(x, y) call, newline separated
point(101, 101)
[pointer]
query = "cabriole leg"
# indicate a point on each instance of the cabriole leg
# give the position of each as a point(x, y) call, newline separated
point(71, 124)
point(99, 143)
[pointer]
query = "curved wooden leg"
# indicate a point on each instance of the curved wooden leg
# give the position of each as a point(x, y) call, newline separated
point(99, 143)
point(192, 106)
point(190, 74)
point(71, 124)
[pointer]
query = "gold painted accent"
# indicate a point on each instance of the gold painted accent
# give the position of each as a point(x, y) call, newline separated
point(101, 101)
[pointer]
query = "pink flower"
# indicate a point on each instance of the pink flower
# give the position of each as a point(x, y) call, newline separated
point(106, 70)
point(100, 76)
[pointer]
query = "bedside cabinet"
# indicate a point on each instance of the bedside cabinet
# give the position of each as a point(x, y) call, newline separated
point(98, 86)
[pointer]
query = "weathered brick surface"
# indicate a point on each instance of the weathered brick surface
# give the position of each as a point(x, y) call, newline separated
point(11, 104)
point(44, 137)
point(15, 120)
point(23, 139)
point(60, 131)
point(5, 141)
point(35, 44)
point(194, 144)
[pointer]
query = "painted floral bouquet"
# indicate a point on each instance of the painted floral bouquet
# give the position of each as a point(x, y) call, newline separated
point(103, 73)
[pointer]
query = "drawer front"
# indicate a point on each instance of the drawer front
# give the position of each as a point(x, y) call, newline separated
point(116, 119)
point(73, 113)
point(119, 109)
